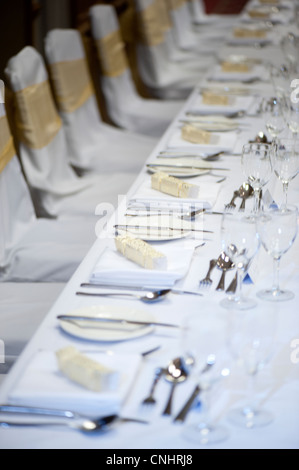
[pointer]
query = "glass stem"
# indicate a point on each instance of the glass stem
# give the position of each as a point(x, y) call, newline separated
point(238, 293)
point(256, 200)
point(285, 192)
point(276, 265)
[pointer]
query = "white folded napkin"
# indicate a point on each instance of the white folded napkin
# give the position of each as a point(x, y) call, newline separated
point(112, 268)
point(219, 141)
point(43, 385)
point(207, 195)
point(257, 71)
point(238, 103)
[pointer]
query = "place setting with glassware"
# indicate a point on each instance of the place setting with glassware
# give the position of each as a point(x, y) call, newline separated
point(175, 331)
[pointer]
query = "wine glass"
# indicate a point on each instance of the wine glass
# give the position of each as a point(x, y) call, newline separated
point(277, 229)
point(274, 115)
point(280, 78)
point(240, 242)
point(202, 338)
point(257, 168)
point(286, 163)
point(292, 116)
point(251, 342)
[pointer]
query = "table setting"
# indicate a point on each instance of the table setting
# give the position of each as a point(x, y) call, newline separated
point(180, 330)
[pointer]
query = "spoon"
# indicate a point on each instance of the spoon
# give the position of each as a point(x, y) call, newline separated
point(175, 374)
point(224, 263)
point(148, 297)
point(71, 419)
point(245, 191)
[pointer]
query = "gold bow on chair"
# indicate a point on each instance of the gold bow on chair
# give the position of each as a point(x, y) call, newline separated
point(7, 149)
point(112, 56)
point(37, 121)
point(72, 84)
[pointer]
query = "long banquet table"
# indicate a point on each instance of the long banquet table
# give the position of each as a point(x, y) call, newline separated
point(277, 385)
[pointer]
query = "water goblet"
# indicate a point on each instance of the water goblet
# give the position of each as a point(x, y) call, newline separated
point(240, 242)
point(251, 342)
point(286, 163)
point(273, 110)
point(277, 229)
point(257, 168)
point(202, 338)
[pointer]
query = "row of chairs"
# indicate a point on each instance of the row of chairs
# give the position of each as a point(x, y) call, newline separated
point(59, 160)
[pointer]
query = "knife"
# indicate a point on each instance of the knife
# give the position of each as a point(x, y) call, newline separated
point(185, 167)
point(149, 227)
point(144, 288)
point(72, 318)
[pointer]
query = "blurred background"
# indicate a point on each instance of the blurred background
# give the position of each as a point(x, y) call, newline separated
point(26, 22)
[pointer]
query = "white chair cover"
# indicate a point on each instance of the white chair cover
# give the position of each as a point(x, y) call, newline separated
point(34, 249)
point(95, 145)
point(55, 187)
point(188, 38)
point(165, 79)
point(126, 107)
point(200, 17)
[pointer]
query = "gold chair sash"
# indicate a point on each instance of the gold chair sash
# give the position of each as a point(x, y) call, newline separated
point(72, 84)
point(112, 55)
point(37, 120)
point(175, 4)
point(164, 17)
point(7, 149)
point(149, 29)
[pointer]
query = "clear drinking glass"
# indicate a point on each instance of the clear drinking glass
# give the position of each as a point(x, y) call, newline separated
point(240, 242)
point(273, 110)
point(251, 342)
point(257, 168)
point(277, 229)
point(286, 163)
point(292, 116)
point(203, 339)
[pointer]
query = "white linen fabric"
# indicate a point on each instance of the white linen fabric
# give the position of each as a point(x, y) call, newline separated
point(126, 107)
point(23, 307)
point(95, 145)
point(164, 79)
point(56, 189)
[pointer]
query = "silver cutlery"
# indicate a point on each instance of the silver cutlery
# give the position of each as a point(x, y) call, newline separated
point(200, 156)
point(98, 320)
point(185, 167)
point(245, 192)
point(207, 281)
point(150, 399)
point(148, 297)
point(224, 263)
point(66, 418)
point(151, 227)
point(232, 115)
point(139, 288)
point(181, 416)
point(233, 285)
point(192, 214)
point(176, 373)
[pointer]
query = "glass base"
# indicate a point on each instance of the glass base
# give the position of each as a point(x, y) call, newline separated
point(205, 434)
point(240, 303)
point(250, 418)
point(275, 295)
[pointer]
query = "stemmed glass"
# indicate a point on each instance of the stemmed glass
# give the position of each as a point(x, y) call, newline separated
point(277, 229)
point(202, 338)
point(251, 341)
point(274, 115)
point(286, 163)
point(240, 242)
point(257, 168)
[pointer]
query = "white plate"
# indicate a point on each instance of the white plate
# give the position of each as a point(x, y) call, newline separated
point(109, 331)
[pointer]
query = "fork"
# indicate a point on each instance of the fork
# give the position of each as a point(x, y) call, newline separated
point(150, 399)
point(207, 281)
point(231, 205)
